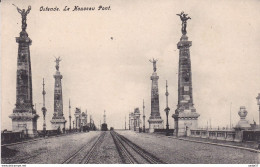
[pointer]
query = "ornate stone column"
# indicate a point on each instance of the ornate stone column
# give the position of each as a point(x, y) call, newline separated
point(24, 117)
point(58, 121)
point(185, 116)
point(155, 120)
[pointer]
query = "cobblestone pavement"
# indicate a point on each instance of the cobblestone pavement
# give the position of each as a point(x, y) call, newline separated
point(176, 151)
point(48, 151)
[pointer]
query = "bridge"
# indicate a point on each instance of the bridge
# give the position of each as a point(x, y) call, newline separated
point(123, 147)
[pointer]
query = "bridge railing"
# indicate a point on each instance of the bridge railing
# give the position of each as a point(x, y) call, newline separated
point(227, 135)
point(164, 131)
point(12, 137)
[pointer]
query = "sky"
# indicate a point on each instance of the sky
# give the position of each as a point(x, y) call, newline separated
point(105, 57)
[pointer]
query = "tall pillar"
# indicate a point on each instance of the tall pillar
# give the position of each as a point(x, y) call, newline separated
point(155, 120)
point(185, 116)
point(58, 121)
point(24, 117)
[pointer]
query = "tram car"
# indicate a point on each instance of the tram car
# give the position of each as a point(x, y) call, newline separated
point(104, 127)
point(85, 128)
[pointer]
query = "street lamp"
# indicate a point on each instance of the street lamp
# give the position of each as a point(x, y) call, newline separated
point(69, 115)
point(44, 110)
point(167, 109)
point(129, 119)
point(143, 117)
point(258, 103)
point(134, 123)
point(81, 127)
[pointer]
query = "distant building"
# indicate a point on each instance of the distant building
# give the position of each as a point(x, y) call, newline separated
point(134, 120)
point(84, 119)
point(137, 120)
point(77, 118)
point(131, 121)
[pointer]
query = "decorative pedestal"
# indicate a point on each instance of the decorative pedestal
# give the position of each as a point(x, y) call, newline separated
point(26, 122)
point(155, 124)
point(242, 124)
point(187, 120)
point(58, 123)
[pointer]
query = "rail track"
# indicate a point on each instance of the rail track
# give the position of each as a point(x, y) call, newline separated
point(89, 154)
point(132, 153)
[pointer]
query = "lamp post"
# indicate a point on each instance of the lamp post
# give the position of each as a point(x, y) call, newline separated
point(143, 118)
point(69, 115)
point(258, 103)
point(129, 120)
point(81, 127)
point(167, 109)
point(73, 124)
point(134, 123)
point(125, 122)
point(44, 110)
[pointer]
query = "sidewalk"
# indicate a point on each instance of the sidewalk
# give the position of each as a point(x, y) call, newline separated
point(250, 146)
point(37, 139)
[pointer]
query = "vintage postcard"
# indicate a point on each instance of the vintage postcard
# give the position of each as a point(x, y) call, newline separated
point(130, 82)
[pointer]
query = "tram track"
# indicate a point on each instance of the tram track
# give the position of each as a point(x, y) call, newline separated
point(88, 155)
point(123, 151)
point(132, 153)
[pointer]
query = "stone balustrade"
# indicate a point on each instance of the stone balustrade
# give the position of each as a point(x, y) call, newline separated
point(228, 135)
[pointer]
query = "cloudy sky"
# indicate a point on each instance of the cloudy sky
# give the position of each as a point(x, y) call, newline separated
point(105, 56)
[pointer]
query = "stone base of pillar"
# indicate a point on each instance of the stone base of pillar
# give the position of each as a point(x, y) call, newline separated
point(26, 122)
point(187, 120)
point(238, 135)
point(58, 124)
point(243, 124)
point(155, 124)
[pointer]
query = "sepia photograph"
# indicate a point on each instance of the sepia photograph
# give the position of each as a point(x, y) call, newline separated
point(130, 82)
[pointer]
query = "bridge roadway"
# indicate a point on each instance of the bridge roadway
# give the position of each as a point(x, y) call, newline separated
point(122, 147)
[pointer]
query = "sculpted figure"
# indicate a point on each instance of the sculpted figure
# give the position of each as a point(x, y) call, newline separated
point(184, 19)
point(57, 63)
point(24, 15)
point(154, 64)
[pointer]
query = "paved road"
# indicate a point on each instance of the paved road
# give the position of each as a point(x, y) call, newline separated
point(168, 149)
point(176, 151)
point(48, 151)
